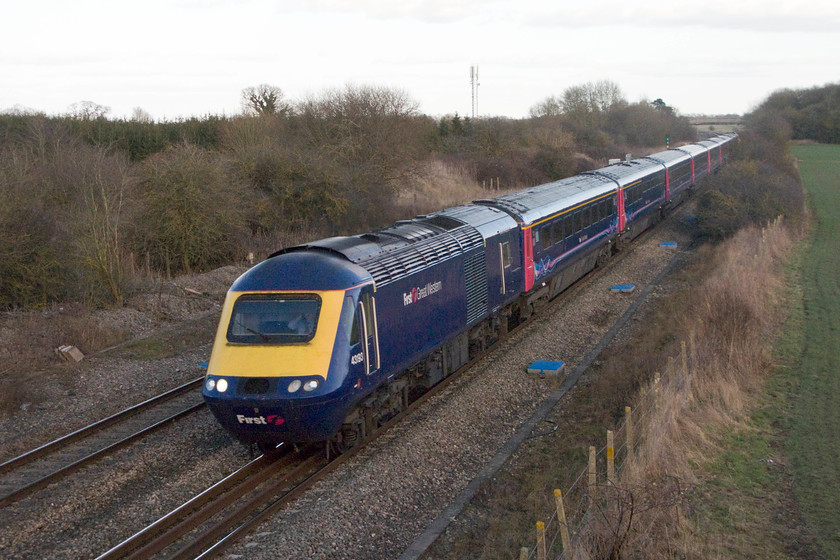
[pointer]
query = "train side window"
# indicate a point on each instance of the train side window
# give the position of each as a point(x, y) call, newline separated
point(576, 226)
point(350, 320)
point(366, 301)
point(506, 254)
point(558, 230)
point(545, 234)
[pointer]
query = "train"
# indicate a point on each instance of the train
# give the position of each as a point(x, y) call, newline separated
point(326, 341)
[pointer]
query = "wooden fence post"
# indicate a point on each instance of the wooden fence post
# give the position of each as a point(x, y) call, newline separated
point(593, 477)
point(628, 432)
point(610, 458)
point(657, 386)
point(561, 517)
point(523, 553)
point(684, 359)
point(541, 552)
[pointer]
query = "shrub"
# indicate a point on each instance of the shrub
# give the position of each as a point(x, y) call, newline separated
point(189, 210)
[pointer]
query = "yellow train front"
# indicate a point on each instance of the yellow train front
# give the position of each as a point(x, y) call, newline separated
point(282, 363)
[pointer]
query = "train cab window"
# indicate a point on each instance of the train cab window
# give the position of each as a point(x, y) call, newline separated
point(274, 318)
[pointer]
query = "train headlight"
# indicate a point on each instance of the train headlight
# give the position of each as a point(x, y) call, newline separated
point(310, 385)
point(210, 384)
point(221, 385)
point(294, 385)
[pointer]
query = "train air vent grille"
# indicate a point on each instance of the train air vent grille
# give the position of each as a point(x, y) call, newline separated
point(393, 265)
point(475, 271)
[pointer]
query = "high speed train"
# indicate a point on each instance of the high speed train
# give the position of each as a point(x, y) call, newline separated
point(325, 341)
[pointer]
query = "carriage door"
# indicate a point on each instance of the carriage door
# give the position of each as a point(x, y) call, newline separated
point(370, 332)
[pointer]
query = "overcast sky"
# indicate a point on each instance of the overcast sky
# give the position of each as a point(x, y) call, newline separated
point(182, 58)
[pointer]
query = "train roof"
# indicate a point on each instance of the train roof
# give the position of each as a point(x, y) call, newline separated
point(405, 247)
point(693, 150)
point(669, 158)
point(305, 270)
point(488, 220)
point(628, 172)
point(534, 204)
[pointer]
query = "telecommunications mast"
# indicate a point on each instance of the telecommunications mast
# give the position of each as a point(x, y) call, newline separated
point(475, 84)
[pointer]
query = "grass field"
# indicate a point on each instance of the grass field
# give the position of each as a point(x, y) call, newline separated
point(813, 444)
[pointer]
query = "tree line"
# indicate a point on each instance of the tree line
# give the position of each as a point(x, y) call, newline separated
point(803, 114)
point(88, 202)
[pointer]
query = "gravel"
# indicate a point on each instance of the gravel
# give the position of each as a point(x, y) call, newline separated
point(374, 506)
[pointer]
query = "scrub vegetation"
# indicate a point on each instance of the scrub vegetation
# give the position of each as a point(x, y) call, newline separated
point(90, 207)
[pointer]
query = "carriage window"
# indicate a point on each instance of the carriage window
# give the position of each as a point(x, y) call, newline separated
point(274, 318)
point(558, 230)
point(577, 222)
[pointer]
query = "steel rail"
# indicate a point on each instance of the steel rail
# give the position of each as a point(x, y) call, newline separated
point(87, 431)
point(40, 483)
point(79, 435)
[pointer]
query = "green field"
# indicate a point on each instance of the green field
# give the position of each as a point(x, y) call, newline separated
point(813, 443)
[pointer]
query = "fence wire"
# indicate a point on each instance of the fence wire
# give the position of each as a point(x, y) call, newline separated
point(577, 500)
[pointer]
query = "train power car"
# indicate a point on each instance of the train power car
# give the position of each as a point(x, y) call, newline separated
point(325, 341)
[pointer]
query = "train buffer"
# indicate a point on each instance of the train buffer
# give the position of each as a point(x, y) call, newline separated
point(623, 288)
point(547, 367)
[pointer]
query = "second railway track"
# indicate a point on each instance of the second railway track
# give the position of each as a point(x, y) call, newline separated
point(32, 471)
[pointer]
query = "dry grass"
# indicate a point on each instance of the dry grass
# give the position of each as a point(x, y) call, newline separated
point(438, 185)
point(705, 396)
point(28, 341)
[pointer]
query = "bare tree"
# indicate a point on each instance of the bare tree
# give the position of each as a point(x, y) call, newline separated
point(140, 115)
point(551, 106)
point(101, 221)
point(88, 110)
point(589, 103)
point(264, 99)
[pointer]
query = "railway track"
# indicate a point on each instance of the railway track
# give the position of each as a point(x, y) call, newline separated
point(34, 470)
